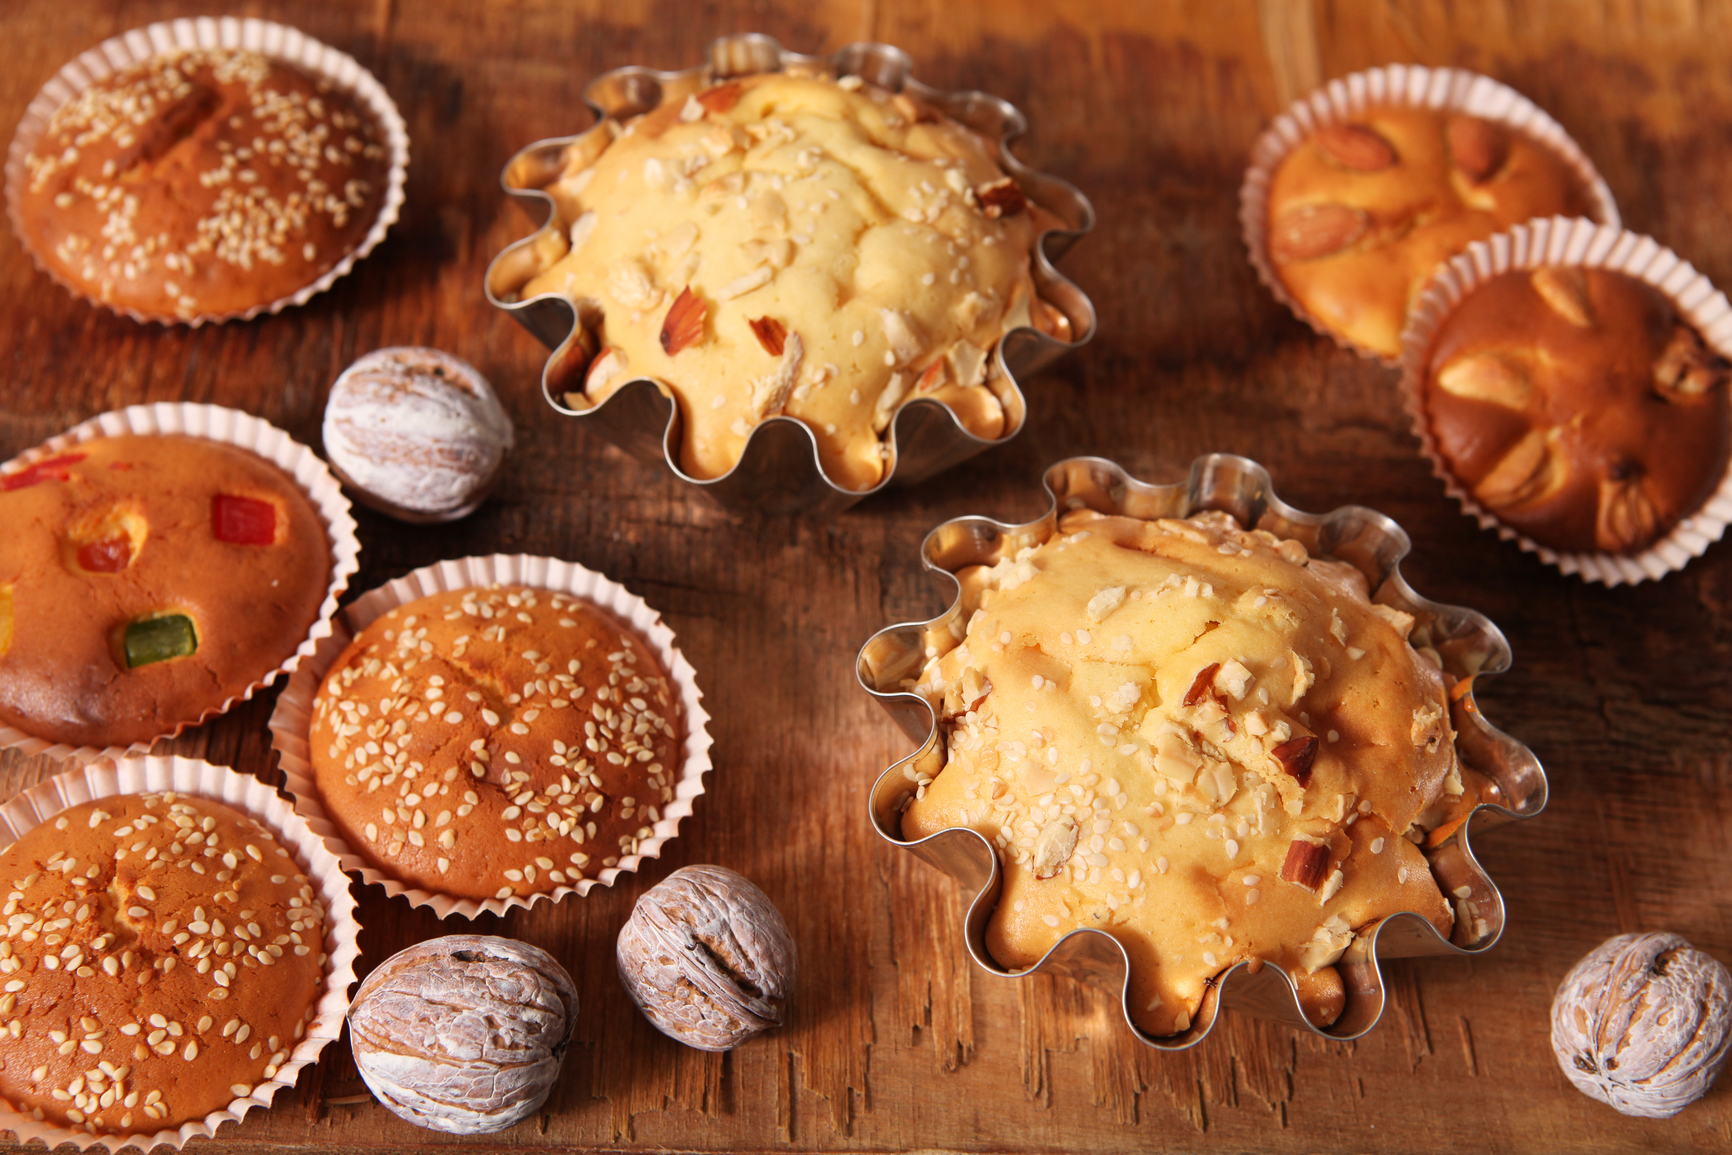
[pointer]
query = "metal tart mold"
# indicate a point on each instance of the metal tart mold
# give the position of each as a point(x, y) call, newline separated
point(779, 469)
point(1468, 644)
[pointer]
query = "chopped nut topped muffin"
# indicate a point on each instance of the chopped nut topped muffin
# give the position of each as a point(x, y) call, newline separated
point(1198, 740)
point(202, 183)
point(485, 743)
point(791, 244)
point(1363, 211)
point(1579, 407)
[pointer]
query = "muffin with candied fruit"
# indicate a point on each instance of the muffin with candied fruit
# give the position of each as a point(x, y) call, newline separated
point(1200, 740)
point(791, 244)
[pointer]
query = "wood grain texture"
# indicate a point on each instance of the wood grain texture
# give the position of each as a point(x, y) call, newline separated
point(894, 1041)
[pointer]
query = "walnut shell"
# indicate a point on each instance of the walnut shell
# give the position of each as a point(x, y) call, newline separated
point(463, 1033)
point(707, 958)
point(416, 433)
point(1643, 1023)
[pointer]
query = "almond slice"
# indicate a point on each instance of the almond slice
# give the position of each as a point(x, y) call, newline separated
point(934, 377)
point(1355, 146)
point(1478, 148)
point(722, 97)
point(1202, 684)
point(683, 327)
point(1530, 471)
point(1296, 756)
point(1627, 518)
point(1054, 846)
point(1566, 291)
point(771, 334)
point(1311, 231)
point(1490, 377)
point(1307, 863)
point(1001, 198)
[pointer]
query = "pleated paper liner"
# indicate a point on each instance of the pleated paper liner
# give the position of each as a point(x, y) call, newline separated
point(140, 775)
point(278, 41)
point(1565, 242)
point(1447, 90)
point(243, 430)
point(291, 723)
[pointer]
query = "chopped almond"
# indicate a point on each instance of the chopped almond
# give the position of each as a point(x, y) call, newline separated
point(771, 334)
point(722, 97)
point(1296, 757)
point(1202, 684)
point(684, 324)
point(1307, 863)
point(1001, 198)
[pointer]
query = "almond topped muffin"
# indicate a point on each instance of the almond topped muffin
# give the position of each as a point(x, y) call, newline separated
point(792, 244)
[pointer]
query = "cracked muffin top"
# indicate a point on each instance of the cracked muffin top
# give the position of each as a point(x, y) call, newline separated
point(791, 244)
point(1200, 740)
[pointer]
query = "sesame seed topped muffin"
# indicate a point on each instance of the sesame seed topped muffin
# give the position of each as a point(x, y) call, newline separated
point(201, 183)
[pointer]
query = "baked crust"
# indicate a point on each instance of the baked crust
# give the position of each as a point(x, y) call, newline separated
point(483, 743)
point(161, 956)
point(202, 182)
point(1361, 213)
point(63, 664)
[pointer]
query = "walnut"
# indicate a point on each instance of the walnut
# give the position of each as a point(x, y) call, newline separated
point(707, 958)
point(1644, 1023)
point(463, 1033)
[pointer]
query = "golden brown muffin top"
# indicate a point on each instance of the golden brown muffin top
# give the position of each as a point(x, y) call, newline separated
point(203, 182)
point(483, 743)
point(113, 534)
point(1361, 213)
point(160, 956)
point(1199, 740)
point(1579, 407)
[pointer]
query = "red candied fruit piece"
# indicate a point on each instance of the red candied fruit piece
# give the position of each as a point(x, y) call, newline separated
point(108, 556)
point(53, 469)
point(243, 520)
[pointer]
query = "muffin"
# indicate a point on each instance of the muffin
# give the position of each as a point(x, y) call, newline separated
point(150, 579)
point(1577, 406)
point(162, 956)
point(792, 244)
point(1361, 212)
point(486, 743)
point(1200, 741)
point(202, 182)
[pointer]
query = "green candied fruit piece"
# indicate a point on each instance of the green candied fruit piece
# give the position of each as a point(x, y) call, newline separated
point(159, 639)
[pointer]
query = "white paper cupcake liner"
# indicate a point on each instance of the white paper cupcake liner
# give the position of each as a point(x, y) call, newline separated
point(278, 41)
point(1573, 243)
point(291, 722)
point(232, 427)
point(252, 797)
point(1394, 86)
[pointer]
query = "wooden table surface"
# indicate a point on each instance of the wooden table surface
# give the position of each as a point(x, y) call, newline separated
point(894, 1041)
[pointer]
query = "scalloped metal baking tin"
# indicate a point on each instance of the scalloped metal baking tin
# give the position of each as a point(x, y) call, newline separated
point(1471, 647)
point(779, 471)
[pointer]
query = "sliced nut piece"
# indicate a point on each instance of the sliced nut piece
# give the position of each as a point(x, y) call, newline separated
point(1311, 231)
point(1687, 368)
point(1307, 863)
point(1355, 146)
point(608, 365)
point(1296, 756)
point(722, 97)
point(771, 334)
point(934, 376)
point(1001, 198)
point(683, 327)
point(1566, 291)
point(1531, 471)
point(1491, 377)
point(1202, 684)
point(1478, 148)
point(1627, 520)
point(1053, 846)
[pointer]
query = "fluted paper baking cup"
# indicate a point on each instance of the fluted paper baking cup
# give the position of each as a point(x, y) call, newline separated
point(179, 775)
point(243, 430)
point(291, 722)
point(278, 41)
point(1394, 86)
point(1566, 242)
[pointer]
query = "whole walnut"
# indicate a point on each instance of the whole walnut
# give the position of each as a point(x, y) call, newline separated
point(707, 958)
point(1644, 1023)
point(463, 1033)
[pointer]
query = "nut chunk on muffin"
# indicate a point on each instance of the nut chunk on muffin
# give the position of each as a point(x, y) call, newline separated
point(1579, 407)
point(792, 244)
point(162, 955)
point(1361, 213)
point(1199, 740)
point(485, 743)
point(202, 183)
